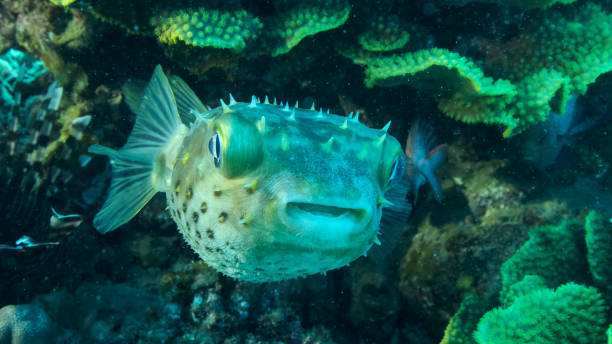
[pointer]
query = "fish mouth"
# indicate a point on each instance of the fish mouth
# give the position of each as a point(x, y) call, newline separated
point(331, 220)
point(319, 210)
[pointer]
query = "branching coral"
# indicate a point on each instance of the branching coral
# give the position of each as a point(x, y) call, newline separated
point(209, 28)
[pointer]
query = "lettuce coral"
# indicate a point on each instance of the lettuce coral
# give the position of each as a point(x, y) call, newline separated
point(571, 314)
point(209, 28)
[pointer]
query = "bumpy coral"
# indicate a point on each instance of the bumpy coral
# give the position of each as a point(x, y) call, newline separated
point(599, 248)
point(306, 19)
point(209, 28)
point(62, 2)
point(570, 314)
point(528, 285)
point(467, 94)
point(461, 327)
point(552, 252)
point(384, 34)
point(523, 4)
point(576, 43)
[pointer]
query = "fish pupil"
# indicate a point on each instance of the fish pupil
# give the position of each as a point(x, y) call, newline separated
point(214, 146)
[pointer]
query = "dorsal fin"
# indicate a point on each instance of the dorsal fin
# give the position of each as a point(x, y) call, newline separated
point(188, 104)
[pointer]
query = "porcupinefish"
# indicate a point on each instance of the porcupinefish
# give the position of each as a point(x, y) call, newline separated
point(261, 192)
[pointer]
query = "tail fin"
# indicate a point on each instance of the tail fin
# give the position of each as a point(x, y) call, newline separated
point(133, 181)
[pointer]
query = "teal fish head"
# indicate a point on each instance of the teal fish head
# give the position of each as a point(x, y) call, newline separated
point(288, 192)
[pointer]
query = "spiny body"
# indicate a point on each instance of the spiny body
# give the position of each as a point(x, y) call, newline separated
point(261, 192)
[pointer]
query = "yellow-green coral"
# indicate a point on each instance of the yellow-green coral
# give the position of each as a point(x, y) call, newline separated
point(384, 33)
point(523, 4)
point(465, 93)
point(62, 2)
point(462, 325)
point(537, 71)
point(209, 28)
point(306, 19)
point(576, 43)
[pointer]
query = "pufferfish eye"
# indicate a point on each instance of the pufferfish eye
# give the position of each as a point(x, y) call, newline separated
point(397, 171)
point(215, 147)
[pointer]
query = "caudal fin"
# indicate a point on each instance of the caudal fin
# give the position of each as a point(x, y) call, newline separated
point(133, 181)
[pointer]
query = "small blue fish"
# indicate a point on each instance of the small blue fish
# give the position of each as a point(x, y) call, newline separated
point(423, 159)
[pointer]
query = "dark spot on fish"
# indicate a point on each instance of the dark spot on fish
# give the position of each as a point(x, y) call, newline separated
point(222, 217)
point(196, 217)
point(184, 208)
point(188, 225)
point(283, 268)
point(259, 269)
point(203, 207)
point(217, 193)
point(209, 249)
point(220, 251)
point(210, 233)
point(189, 192)
point(301, 271)
point(198, 235)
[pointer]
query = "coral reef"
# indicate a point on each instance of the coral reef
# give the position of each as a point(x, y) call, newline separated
point(455, 64)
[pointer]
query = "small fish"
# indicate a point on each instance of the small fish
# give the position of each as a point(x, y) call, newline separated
point(423, 159)
point(261, 192)
point(542, 144)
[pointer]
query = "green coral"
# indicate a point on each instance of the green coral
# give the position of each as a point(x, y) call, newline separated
point(527, 285)
point(599, 247)
point(571, 314)
point(462, 325)
point(609, 333)
point(465, 93)
point(522, 4)
point(537, 71)
point(62, 2)
point(306, 19)
point(209, 28)
point(577, 43)
point(384, 33)
point(552, 252)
